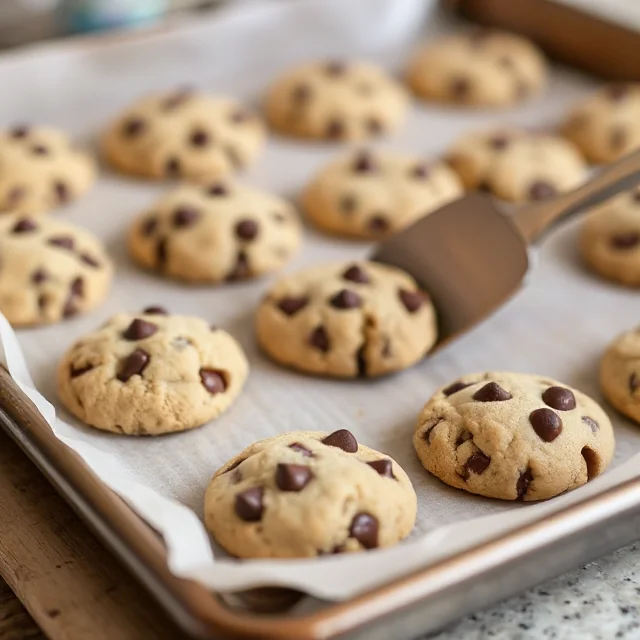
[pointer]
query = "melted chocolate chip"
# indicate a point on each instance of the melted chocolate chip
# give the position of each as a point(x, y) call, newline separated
point(355, 274)
point(213, 381)
point(364, 163)
point(89, 260)
point(241, 270)
point(384, 467)
point(39, 150)
point(301, 94)
point(292, 477)
point(158, 311)
point(247, 229)
point(420, 171)
point(522, 485)
point(347, 204)
point(133, 127)
point(296, 446)
point(378, 224)
point(634, 382)
point(39, 276)
point(374, 126)
point(426, 435)
point(185, 216)
point(335, 129)
point(217, 190)
point(412, 300)
point(498, 142)
point(455, 387)
point(618, 91)
point(172, 167)
point(346, 299)
point(64, 242)
point(291, 306)
point(476, 463)
point(559, 398)
point(161, 252)
point(343, 439)
point(149, 226)
point(591, 423)
point(546, 424)
point(491, 392)
point(61, 190)
point(625, 240)
point(361, 361)
point(460, 88)
point(199, 138)
point(319, 339)
point(139, 330)
point(77, 288)
point(75, 372)
point(364, 528)
point(133, 365)
point(248, 504)
point(24, 225)
point(19, 131)
point(541, 189)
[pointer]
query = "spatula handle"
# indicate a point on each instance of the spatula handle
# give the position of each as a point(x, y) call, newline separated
point(534, 219)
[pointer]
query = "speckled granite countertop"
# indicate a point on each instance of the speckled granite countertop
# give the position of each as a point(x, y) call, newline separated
point(599, 601)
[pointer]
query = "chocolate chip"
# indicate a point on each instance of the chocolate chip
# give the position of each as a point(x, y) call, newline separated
point(15, 195)
point(199, 138)
point(292, 477)
point(412, 300)
point(541, 189)
point(634, 382)
point(149, 226)
point(133, 127)
point(249, 505)
point(139, 330)
point(484, 186)
point(133, 365)
point(618, 138)
point(361, 361)
point(347, 204)
point(386, 347)
point(546, 424)
point(61, 190)
point(185, 216)
point(364, 528)
point(355, 274)
point(364, 163)
point(420, 171)
point(75, 372)
point(89, 260)
point(378, 224)
point(335, 68)
point(384, 467)
point(476, 463)
point(319, 339)
point(247, 229)
point(40, 150)
point(213, 381)
point(625, 240)
point(296, 446)
point(161, 252)
point(70, 307)
point(241, 270)
point(343, 439)
point(291, 306)
point(39, 276)
point(335, 129)
point(346, 299)
point(617, 91)
point(636, 196)
point(559, 398)
point(217, 190)
point(77, 287)
point(455, 387)
point(522, 485)
point(24, 225)
point(498, 142)
point(43, 301)
point(301, 94)
point(374, 126)
point(157, 311)
point(460, 88)
point(491, 392)
point(591, 423)
point(64, 242)
point(172, 167)
point(20, 131)
point(426, 435)
point(463, 437)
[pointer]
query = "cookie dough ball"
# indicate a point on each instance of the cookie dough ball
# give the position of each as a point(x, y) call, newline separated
point(481, 68)
point(347, 320)
point(309, 493)
point(40, 169)
point(184, 134)
point(151, 373)
point(371, 194)
point(513, 436)
point(51, 270)
point(620, 374)
point(335, 101)
point(517, 165)
point(610, 239)
point(606, 126)
point(220, 232)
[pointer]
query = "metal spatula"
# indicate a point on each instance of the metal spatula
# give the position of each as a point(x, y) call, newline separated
point(470, 257)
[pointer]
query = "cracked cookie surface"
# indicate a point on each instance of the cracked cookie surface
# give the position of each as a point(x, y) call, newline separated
point(50, 270)
point(220, 232)
point(151, 373)
point(513, 436)
point(347, 319)
point(309, 493)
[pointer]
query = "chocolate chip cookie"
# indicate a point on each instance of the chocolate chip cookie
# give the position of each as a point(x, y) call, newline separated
point(347, 320)
point(517, 165)
point(620, 374)
point(371, 194)
point(606, 125)
point(218, 232)
point(49, 270)
point(40, 169)
point(335, 100)
point(151, 373)
point(610, 238)
point(309, 493)
point(481, 68)
point(184, 134)
point(513, 436)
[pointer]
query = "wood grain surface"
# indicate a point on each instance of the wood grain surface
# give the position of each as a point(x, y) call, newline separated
point(69, 584)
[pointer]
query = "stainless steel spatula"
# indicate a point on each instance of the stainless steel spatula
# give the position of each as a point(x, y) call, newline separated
point(470, 257)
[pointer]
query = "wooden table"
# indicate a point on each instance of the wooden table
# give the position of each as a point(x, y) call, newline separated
point(70, 585)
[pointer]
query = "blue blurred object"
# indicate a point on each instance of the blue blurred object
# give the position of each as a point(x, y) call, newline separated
point(79, 16)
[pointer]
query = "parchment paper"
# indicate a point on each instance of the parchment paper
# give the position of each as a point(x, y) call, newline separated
point(557, 326)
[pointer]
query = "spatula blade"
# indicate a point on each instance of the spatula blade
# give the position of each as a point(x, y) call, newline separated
point(467, 255)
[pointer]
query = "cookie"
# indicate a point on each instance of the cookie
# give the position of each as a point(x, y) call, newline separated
point(481, 68)
point(371, 194)
point(517, 165)
point(184, 134)
point(306, 494)
point(50, 270)
point(151, 373)
point(606, 125)
point(220, 232)
point(347, 320)
point(335, 100)
point(513, 436)
point(610, 238)
point(40, 169)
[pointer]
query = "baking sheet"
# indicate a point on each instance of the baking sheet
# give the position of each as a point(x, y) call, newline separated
point(557, 326)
